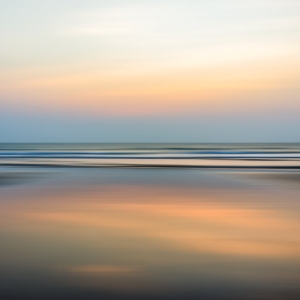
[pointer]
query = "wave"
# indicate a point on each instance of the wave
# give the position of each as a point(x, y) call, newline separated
point(152, 155)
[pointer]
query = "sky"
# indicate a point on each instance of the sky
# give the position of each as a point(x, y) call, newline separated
point(150, 71)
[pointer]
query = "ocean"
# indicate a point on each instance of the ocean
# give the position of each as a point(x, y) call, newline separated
point(149, 221)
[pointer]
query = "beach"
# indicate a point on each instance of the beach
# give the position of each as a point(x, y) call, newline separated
point(149, 233)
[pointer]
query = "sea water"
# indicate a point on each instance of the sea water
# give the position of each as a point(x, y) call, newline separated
point(149, 221)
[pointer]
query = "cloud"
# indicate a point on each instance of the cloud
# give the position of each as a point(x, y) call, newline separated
point(106, 21)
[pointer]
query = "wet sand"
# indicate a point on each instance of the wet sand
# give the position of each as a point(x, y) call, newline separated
point(149, 234)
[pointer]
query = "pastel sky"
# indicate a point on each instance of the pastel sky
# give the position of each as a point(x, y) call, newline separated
point(150, 71)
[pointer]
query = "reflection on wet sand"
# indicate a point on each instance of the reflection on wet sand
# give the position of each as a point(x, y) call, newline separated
point(150, 240)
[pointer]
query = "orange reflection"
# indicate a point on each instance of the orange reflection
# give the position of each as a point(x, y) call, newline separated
point(182, 223)
point(99, 269)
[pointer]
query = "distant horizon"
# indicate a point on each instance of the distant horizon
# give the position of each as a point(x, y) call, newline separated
point(147, 143)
